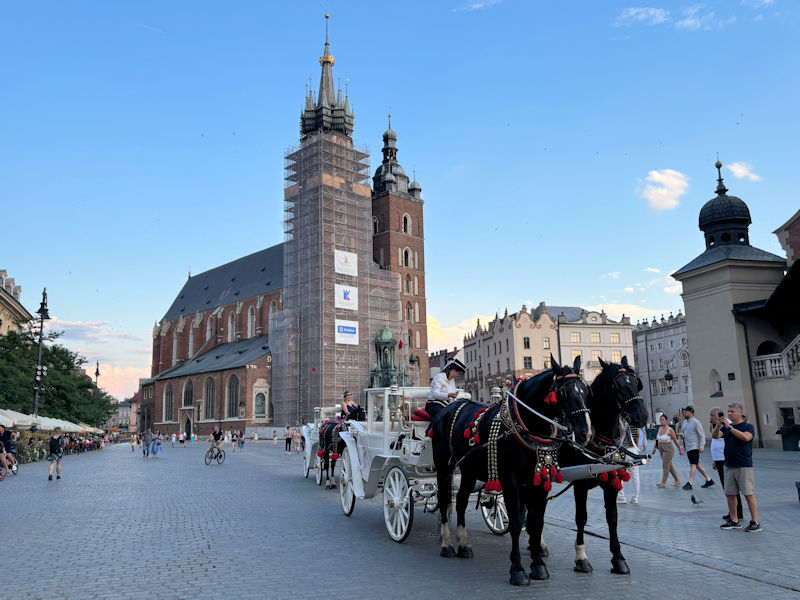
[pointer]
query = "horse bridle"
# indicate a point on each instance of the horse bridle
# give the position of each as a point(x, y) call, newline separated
point(622, 404)
point(561, 393)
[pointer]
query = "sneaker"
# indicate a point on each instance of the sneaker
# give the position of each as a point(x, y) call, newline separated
point(14, 469)
point(708, 483)
point(635, 500)
point(688, 486)
point(731, 525)
point(753, 527)
point(50, 478)
point(621, 500)
point(58, 476)
point(726, 517)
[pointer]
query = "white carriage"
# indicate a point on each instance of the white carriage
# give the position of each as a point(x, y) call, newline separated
point(311, 434)
point(390, 454)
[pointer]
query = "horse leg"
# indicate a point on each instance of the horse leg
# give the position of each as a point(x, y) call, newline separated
point(462, 500)
point(511, 492)
point(537, 504)
point(618, 562)
point(443, 495)
point(331, 473)
point(582, 564)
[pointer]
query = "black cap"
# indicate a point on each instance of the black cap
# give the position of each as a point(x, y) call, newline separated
point(690, 409)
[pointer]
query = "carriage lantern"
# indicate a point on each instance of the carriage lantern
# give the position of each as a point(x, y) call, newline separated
point(394, 398)
point(496, 395)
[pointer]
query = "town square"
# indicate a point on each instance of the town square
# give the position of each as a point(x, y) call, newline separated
point(462, 298)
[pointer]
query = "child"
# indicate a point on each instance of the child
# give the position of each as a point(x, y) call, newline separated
point(55, 454)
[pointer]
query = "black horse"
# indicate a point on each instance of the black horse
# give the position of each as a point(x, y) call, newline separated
point(329, 448)
point(513, 451)
point(614, 403)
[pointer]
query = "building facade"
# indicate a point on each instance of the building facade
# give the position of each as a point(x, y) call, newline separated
point(742, 321)
point(662, 357)
point(521, 344)
point(12, 313)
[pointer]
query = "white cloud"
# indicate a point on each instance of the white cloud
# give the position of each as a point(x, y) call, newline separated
point(652, 270)
point(758, 3)
point(477, 5)
point(664, 189)
point(673, 289)
point(693, 20)
point(612, 275)
point(629, 290)
point(644, 15)
point(440, 338)
point(743, 170)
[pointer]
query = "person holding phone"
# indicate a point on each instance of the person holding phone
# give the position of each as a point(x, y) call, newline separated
point(718, 456)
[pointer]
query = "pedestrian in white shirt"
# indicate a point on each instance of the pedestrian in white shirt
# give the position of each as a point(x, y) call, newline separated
point(636, 442)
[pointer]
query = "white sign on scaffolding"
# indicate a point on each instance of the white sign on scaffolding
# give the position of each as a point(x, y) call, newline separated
point(345, 263)
point(346, 332)
point(346, 297)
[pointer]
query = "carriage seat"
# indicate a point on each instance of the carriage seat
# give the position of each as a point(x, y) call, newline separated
point(420, 415)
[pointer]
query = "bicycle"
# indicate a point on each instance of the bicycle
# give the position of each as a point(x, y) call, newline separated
point(219, 457)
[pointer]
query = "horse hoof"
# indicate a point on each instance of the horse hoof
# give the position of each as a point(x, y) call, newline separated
point(583, 566)
point(519, 578)
point(448, 552)
point(620, 566)
point(464, 552)
point(545, 552)
point(539, 572)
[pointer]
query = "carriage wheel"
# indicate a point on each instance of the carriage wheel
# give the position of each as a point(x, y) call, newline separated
point(494, 512)
point(306, 464)
point(398, 508)
point(346, 493)
point(318, 469)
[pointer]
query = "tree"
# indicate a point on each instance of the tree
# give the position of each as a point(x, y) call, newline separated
point(68, 392)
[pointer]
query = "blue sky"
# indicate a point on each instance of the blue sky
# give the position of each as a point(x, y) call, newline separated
point(564, 149)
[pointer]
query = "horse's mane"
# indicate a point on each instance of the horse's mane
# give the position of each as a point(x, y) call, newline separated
point(606, 376)
point(533, 386)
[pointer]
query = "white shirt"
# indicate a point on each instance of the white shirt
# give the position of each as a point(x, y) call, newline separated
point(717, 449)
point(441, 386)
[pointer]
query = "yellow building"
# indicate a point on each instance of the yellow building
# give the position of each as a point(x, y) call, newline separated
point(12, 313)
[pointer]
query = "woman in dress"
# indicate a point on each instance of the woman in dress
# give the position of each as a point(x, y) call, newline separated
point(664, 440)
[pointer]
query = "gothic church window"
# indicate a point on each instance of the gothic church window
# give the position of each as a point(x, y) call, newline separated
point(261, 405)
point(168, 403)
point(188, 393)
point(232, 327)
point(209, 399)
point(408, 284)
point(208, 329)
point(233, 397)
point(251, 322)
point(406, 224)
point(191, 342)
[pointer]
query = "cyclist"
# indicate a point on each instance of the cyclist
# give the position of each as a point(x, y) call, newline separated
point(216, 440)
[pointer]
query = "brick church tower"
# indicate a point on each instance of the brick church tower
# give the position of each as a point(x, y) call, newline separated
point(399, 246)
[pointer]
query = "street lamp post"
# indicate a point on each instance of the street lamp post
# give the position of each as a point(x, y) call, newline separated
point(668, 377)
point(41, 371)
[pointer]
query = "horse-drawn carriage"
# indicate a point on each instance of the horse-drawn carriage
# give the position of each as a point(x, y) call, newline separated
point(389, 454)
point(310, 431)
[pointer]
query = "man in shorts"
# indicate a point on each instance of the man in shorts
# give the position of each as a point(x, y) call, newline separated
point(54, 457)
point(216, 440)
point(738, 436)
point(694, 438)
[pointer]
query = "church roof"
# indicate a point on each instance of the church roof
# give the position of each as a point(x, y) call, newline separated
point(245, 277)
point(720, 253)
point(224, 356)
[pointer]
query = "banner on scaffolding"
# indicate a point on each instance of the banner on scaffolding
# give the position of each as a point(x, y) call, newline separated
point(346, 297)
point(346, 332)
point(345, 263)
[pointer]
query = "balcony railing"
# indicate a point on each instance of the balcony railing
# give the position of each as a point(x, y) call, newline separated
point(783, 365)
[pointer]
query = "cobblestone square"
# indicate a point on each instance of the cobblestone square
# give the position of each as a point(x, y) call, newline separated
point(119, 526)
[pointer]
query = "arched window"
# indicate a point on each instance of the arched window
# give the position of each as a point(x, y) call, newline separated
point(375, 225)
point(416, 285)
point(406, 224)
point(242, 410)
point(233, 397)
point(406, 257)
point(261, 405)
point(174, 347)
point(768, 347)
point(417, 339)
point(191, 342)
point(232, 327)
point(251, 322)
point(168, 405)
point(408, 284)
point(208, 329)
point(409, 313)
point(416, 314)
point(714, 384)
point(188, 393)
point(273, 306)
point(209, 399)
point(410, 339)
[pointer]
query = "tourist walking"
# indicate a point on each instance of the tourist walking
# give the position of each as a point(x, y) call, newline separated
point(147, 441)
point(174, 439)
point(182, 440)
point(665, 438)
point(234, 441)
point(296, 441)
point(635, 442)
point(133, 443)
point(241, 442)
point(288, 440)
point(54, 457)
point(694, 439)
point(274, 437)
point(739, 477)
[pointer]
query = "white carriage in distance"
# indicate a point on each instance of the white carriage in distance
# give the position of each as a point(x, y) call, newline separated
point(390, 454)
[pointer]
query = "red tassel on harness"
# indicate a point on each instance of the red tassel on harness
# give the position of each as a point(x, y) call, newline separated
point(547, 486)
point(335, 456)
point(430, 433)
point(603, 476)
point(624, 475)
point(537, 479)
point(559, 477)
point(551, 398)
point(545, 473)
point(616, 484)
point(552, 472)
point(467, 433)
point(477, 439)
point(320, 453)
point(493, 485)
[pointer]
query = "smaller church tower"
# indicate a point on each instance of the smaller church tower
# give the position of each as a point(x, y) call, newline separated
point(399, 246)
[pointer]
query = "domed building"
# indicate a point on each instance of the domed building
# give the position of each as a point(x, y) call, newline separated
point(742, 322)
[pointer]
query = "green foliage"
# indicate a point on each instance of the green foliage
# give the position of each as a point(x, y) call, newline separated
point(68, 392)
